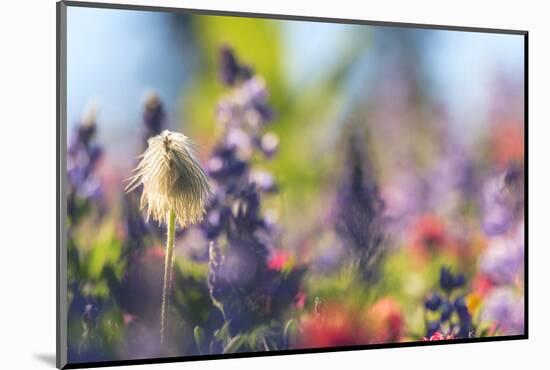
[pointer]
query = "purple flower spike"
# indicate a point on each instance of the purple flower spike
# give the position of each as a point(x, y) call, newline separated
point(83, 155)
point(230, 69)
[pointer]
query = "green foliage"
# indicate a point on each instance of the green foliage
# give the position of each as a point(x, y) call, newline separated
point(290, 332)
point(191, 297)
point(93, 264)
point(200, 339)
point(234, 344)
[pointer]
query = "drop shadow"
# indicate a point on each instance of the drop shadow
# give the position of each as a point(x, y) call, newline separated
point(47, 358)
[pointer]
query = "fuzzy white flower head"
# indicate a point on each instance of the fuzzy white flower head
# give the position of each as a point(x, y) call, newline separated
point(173, 180)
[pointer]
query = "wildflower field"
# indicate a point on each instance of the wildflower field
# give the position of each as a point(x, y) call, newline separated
point(244, 185)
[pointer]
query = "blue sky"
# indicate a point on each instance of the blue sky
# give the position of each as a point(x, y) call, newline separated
point(114, 56)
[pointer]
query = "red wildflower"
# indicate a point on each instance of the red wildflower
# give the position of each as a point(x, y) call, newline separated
point(385, 321)
point(429, 232)
point(300, 300)
point(427, 235)
point(334, 326)
point(280, 260)
point(438, 336)
point(481, 285)
point(507, 143)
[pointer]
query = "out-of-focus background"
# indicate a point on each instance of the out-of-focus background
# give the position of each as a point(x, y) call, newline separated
point(386, 165)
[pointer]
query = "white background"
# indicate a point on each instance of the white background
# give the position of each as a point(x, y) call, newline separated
point(27, 182)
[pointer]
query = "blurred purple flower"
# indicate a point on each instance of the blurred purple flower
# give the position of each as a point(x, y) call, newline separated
point(505, 308)
point(231, 70)
point(133, 222)
point(358, 220)
point(83, 155)
point(503, 260)
point(497, 217)
point(246, 106)
point(140, 288)
point(449, 282)
point(264, 181)
point(433, 302)
point(240, 282)
point(502, 201)
point(269, 144)
point(224, 165)
point(153, 116)
point(453, 173)
point(447, 305)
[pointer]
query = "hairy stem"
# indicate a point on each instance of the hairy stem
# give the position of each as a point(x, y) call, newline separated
point(168, 263)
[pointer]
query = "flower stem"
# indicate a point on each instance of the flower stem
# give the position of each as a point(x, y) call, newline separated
point(168, 263)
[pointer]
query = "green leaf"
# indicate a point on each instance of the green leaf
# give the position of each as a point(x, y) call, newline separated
point(223, 334)
point(106, 250)
point(291, 328)
point(199, 335)
point(234, 344)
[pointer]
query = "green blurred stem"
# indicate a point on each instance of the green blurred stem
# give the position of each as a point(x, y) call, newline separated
point(168, 267)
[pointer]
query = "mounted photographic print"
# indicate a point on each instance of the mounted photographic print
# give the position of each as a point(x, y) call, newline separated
point(234, 184)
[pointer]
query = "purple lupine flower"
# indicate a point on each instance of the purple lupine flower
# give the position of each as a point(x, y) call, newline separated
point(240, 281)
point(254, 94)
point(449, 282)
point(83, 155)
point(231, 70)
point(246, 107)
point(358, 209)
point(216, 220)
point(241, 141)
point(236, 278)
point(153, 116)
point(402, 200)
point(433, 302)
point(503, 200)
point(229, 164)
point(140, 287)
point(464, 317)
point(447, 304)
point(452, 174)
point(329, 257)
point(224, 164)
point(497, 217)
point(446, 311)
point(135, 227)
point(269, 144)
point(264, 181)
point(503, 260)
point(504, 307)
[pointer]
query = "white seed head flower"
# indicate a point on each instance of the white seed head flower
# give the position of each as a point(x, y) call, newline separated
point(173, 180)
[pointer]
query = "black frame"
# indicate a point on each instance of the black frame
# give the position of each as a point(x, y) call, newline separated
point(61, 143)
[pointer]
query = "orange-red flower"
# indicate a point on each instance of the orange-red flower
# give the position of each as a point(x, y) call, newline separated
point(428, 235)
point(481, 285)
point(338, 325)
point(332, 327)
point(384, 321)
point(507, 144)
point(429, 232)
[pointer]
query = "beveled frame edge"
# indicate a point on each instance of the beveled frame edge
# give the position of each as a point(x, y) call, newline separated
point(61, 203)
point(61, 143)
point(288, 17)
